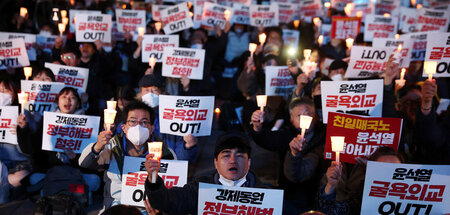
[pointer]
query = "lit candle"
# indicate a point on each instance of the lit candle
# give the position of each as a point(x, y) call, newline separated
point(397, 36)
point(156, 149)
point(307, 54)
point(320, 40)
point(305, 123)
point(296, 23)
point(348, 9)
point(327, 5)
point(111, 105)
point(337, 145)
point(55, 14)
point(23, 12)
point(65, 20)
point(387, 15)
point(124, 6)
point(227, 14)
point(262, 38)
point(61, 28)
point(261, 100)
point(419, 6)
point(402, 74)
point(189, 4)
point(359, 13)
point(72, 2)
point(157, 26)
point(63, 13)
point(27, 71)
point(23, 99)
point(141, 31)
point(430, 68)
point(317, 21)
point(110, 115)
point(349, 42)
point(413, 3)
point(152, 62)
point(191, 14)
point(252, 48)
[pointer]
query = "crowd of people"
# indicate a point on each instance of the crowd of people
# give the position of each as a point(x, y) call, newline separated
point(235, 77)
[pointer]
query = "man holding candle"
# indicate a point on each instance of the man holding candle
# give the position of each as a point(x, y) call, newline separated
point(109, 151)
point(232, 159)
point(300, 158)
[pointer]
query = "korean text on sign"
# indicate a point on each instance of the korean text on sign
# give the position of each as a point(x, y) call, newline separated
point(363, 97)
point(217, 199)
point(363, 135)
point(172, 172)
point(411, 188)
point(181, 115)
point(69, 131)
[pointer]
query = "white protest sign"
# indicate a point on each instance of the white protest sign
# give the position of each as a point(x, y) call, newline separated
point(410, 188)
point(71, 76)
point(179, 62)
point(69, 131)
point(363, 97)
point(408, 19)
point(73, 13)
point(363, 8)
point(156, 11)
point(45, 43)
point(241, 14)
point(311, 8)
point(213, 198)
point(438, 49)
point(432, 20)
point(90, 28)
point(391, 7)
point(279, 81)
point(176, 18)
point(340, 4)
point(419, 41)
point(264, 15)
point(153, 46)
point(130, 20)
point(13, 54)
point(29, 39)
point(231, 3)
point(378, 26)
point(366, 62)
point(198, 11)
point(214, 14)
point(326, 66)
point(407, 46)
point(291, 38)
point(286, 12)
point(173, 172)
point(41, 95)
point(8, 120)
point(181, 115)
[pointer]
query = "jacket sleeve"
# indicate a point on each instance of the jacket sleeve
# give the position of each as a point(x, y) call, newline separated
point(389, 101)
point(91, 160)
point(302, 167)
point(176, 200)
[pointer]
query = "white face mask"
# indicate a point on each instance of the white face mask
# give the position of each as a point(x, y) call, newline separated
point(138, 135)
point(107, 49)
point(337, 77)
point(5, 99)
point(151, 99)
point(197, 46)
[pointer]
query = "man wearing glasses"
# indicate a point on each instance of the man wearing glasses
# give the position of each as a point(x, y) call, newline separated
point(109, 151)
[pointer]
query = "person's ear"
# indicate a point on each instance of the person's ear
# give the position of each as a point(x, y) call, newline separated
point(123, 128)
point(249, 162)
point(215, 163)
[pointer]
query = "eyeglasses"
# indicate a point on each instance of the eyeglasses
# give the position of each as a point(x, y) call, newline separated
point(67, 57)
point(133, 122)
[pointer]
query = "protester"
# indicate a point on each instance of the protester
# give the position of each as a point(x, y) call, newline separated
point(107, 154)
